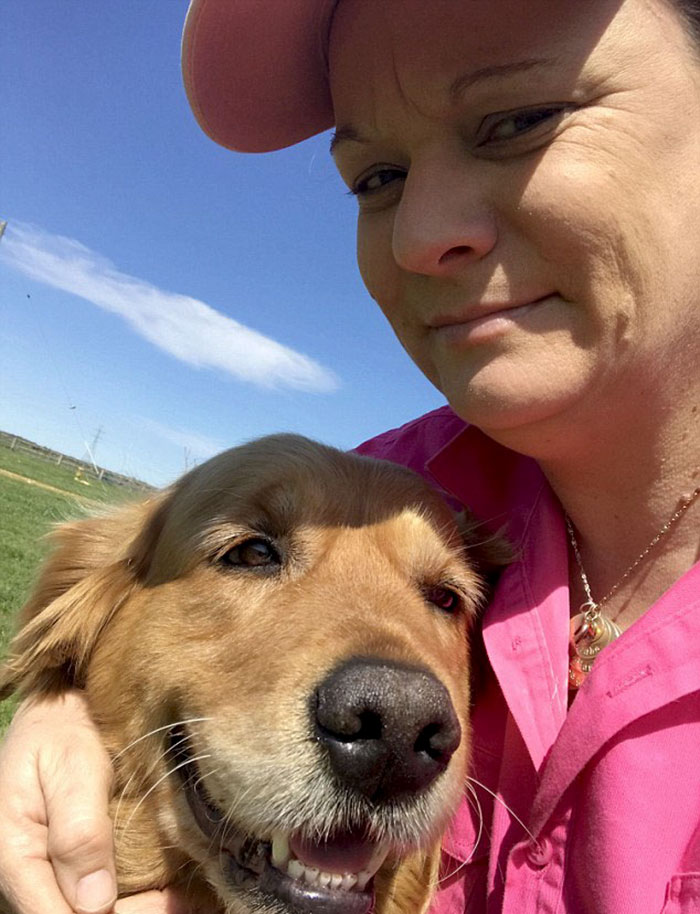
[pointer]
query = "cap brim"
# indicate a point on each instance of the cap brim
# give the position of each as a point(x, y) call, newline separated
point(255, 71)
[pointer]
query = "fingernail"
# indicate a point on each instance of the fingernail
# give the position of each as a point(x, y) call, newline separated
point(95, 891)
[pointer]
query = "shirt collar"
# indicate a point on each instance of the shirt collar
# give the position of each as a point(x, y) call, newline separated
point(525, 628)
point(496, 484)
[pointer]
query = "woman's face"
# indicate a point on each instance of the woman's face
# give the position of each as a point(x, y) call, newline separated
point(527, 176)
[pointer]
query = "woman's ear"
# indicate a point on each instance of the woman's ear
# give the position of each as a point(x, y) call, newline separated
point(92, 569)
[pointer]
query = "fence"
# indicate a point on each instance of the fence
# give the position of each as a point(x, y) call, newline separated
point(80, 467)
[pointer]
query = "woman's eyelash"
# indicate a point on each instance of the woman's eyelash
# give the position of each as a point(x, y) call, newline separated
point(380, 176)
point(502, 127)
point(495, 129)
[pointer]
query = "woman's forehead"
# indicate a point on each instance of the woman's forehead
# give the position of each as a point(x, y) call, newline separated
point(463, 42)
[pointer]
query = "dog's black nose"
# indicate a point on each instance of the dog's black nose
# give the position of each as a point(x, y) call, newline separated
point(388, 729)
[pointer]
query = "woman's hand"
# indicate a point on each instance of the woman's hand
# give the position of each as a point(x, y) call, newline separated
point(56, 849)
point(56, 852)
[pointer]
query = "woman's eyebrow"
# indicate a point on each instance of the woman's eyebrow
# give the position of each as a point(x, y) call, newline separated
point(497, 71)
point(348, 133)
point(344, 135)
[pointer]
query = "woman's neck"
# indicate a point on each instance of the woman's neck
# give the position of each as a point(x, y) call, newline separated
point(620, 481)
point(620, 498)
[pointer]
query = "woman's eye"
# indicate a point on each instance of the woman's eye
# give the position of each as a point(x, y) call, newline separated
point(500, 128)
point(375, 180)
point(253, 553)
point(444, 598)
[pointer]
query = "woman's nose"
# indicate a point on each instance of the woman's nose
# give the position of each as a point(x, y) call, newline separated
point(441, 224)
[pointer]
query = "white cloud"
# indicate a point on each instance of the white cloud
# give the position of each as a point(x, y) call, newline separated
point(184, 327)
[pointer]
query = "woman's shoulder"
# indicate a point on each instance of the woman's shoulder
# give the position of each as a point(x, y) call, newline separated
point(416, 442)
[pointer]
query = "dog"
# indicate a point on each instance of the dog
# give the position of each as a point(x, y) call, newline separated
point(275, 652)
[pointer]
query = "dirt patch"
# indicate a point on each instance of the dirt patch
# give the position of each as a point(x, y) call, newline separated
point(49, 488)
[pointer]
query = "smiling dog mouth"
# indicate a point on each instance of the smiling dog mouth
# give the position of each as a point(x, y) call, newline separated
point(330, 877)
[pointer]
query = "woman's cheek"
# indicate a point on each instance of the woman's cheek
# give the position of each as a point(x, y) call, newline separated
point(375, 259)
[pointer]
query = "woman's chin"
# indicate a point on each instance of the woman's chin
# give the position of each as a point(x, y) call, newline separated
point(509, 405)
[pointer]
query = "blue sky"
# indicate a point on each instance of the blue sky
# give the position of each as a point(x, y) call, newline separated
point(173, 296)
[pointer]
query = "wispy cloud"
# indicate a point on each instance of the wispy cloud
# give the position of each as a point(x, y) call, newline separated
point(188, 329)
point(199, 447)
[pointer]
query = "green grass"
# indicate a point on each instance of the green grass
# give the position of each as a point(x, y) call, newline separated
point(62, 477)
point(27, 513)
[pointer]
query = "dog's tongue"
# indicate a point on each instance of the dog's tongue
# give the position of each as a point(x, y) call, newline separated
point(343, 852)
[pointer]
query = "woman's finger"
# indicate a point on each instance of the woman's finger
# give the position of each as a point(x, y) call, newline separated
point(55, 782)
point(79, 844)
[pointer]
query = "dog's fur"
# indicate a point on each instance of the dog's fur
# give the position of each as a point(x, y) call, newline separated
point(144, 610)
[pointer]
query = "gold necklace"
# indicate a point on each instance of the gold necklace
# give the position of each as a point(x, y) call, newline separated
point(590, 630)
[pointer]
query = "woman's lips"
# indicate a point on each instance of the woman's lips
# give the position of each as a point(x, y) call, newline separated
point(478, 322)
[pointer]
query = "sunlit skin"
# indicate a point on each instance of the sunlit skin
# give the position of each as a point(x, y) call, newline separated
point(529, 212)
point(565, 175)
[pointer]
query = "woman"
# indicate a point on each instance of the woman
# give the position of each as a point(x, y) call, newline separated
point(529, 211)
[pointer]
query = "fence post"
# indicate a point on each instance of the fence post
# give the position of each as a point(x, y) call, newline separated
point(60, 460)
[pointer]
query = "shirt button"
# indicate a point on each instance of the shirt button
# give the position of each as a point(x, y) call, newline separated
point(539, 853)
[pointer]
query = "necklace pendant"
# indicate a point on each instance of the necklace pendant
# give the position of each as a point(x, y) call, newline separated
point(590, 632)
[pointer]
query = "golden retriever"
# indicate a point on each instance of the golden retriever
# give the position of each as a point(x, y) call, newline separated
point(275, 651)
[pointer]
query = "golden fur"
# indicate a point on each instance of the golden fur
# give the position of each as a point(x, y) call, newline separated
point(140, 609)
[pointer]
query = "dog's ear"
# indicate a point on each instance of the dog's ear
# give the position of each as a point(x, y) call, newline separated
point(489, 552)
point(92, 569)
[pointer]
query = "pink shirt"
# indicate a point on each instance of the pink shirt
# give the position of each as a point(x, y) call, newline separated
point(598, 810)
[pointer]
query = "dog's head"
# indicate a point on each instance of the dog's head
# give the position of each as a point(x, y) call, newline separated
point(275, 650)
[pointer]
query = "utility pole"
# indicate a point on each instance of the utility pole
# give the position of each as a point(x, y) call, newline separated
point(91, 450)
point(95, 440)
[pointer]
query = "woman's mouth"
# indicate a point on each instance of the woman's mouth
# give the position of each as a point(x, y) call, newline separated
point(478, 323)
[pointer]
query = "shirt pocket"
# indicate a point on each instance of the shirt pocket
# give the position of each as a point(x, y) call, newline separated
point(683, 894)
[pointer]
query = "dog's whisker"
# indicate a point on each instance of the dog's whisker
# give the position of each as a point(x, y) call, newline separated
point(227, 823)
point(176, 723)
point(117, 812)
point(157, 783)
point(507, 808)
point(473, 800)
point(143, 775)
point(204, 775)
point(476, 805)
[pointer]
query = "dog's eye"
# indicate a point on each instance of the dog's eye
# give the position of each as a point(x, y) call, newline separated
point(252, 553)
point(444, 598)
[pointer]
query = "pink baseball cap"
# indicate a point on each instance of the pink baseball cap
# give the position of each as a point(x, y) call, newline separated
point(256, 71)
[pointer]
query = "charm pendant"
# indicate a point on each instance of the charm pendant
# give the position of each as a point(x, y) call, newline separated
point(590, 632)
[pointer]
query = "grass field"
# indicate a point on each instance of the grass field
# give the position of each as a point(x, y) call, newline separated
point(27, 513)
point(62, 477)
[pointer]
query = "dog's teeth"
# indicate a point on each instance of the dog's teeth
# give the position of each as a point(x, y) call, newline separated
point(310, 875)
point(295, 869)
point(362, 879)
point(280, 850)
